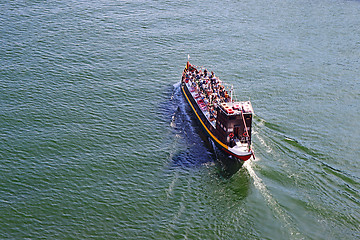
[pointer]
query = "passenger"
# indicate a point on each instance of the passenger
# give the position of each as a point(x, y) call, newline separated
point(206, 102)
point(221, 93)
point(212, 113)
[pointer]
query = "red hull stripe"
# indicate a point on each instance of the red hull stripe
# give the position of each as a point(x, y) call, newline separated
point(244, 158)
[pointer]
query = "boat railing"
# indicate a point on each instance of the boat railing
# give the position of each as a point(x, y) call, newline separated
point(247, 136)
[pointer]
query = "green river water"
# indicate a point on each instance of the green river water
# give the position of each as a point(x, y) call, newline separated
point(88, 148)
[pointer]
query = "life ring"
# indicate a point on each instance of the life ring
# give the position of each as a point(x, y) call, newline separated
point(231, 135)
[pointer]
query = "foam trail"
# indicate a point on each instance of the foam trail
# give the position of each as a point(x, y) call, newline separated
point(262, 141)
point(272, 203)
point(172, 123)
point(170, 189)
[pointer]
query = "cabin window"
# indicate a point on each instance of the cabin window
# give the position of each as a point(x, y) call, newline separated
point(237, 131)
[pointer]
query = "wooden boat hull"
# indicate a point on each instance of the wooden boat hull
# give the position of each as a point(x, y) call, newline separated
point(209, 129)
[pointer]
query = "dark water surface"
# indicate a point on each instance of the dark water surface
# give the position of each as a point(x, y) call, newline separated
point(88, 148)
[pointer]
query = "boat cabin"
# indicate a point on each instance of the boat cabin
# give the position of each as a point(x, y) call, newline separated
point(234, 122)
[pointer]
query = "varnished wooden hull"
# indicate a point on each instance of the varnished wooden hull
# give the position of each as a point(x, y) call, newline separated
point(209, 129)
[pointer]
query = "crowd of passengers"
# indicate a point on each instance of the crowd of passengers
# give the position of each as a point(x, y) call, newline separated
point(209, 88)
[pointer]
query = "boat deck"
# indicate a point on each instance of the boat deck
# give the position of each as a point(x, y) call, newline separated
point(204, 109)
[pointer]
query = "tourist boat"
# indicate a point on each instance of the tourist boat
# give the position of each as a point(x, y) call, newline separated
point(225, 121)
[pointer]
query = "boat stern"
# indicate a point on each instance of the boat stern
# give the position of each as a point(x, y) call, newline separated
point(241, 151)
